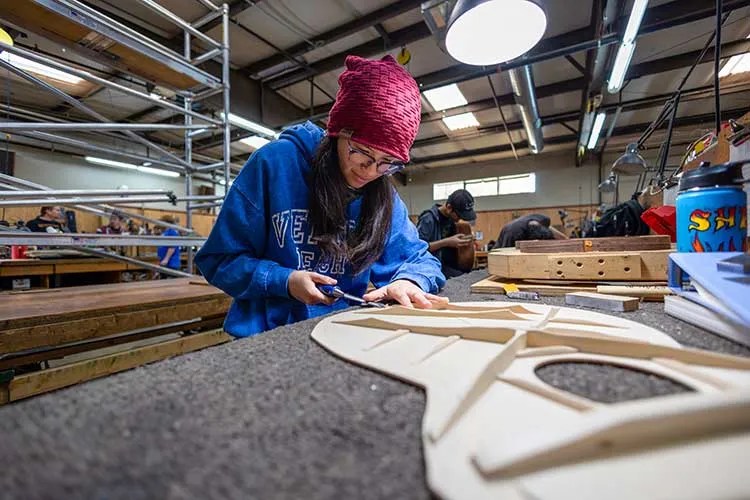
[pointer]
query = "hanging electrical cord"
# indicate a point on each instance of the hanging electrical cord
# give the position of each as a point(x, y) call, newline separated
point(502, 117)
point(717, 63)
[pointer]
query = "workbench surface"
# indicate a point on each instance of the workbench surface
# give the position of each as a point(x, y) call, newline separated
point(273, 416)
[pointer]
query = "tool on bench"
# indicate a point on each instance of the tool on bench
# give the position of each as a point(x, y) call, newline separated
point(334, 291)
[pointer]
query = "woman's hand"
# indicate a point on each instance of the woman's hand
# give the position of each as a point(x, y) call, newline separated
point(407, 294)
point(302, 285)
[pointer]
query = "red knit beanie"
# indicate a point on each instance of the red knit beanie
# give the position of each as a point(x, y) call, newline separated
point(379, 102)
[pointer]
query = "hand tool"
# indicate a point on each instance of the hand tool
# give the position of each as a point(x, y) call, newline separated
point(334, 291)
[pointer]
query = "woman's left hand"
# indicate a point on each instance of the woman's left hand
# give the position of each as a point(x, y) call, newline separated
point(407, 294)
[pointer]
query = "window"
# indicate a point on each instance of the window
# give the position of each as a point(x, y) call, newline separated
point(482, 187)
point(488, 186)
point(513, 184)
point(443, 190)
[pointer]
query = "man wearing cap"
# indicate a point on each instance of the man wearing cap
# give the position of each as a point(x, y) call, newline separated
point(437, 226)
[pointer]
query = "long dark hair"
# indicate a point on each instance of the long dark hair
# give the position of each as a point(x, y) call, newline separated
point(329, 196)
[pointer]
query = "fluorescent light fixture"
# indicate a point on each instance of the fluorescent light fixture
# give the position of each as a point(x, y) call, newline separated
point(141, 168)
point(249, 125)
point(464, 120)
point(110, 163)
point(487, 32)
point(596, 131)
point(255, 141)
point(39, 69)
point(445, 97)
point(736, 64)
point(627, 47)
point(158, 171)
point(622, 62)
point(634, 22)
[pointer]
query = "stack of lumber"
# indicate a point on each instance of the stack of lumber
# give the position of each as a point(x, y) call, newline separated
point(147, 321)
point(633, 266)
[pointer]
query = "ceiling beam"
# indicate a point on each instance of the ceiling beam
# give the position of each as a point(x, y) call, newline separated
point(337, 33)
point(660, 18)
point(403, 36)
point(694, 94)
point(657, 18)
point(572, 138)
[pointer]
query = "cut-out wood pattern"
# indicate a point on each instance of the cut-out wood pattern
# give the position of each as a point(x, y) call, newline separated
point(492, 429)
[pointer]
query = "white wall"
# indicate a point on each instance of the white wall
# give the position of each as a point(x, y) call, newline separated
point(65, 171)
point(558, 182)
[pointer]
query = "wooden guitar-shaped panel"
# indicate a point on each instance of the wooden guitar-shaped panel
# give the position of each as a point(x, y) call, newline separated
point(493, 429)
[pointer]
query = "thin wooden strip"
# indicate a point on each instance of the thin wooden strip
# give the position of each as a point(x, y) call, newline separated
point(632, 349)
point(497, 335)
point(481, 383)
point(449, 341)
point(548, 392)
point(680, 367)
point(502, 314)
point(531, 352)
point(35, 383)
point(390, 338)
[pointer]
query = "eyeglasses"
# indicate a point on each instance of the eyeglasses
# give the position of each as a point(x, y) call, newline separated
point(365, 159)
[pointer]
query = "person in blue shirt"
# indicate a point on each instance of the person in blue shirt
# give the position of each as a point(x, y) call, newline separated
point(314, 208)
point(169, 256)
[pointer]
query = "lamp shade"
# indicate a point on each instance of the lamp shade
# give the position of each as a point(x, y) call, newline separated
point(609, 185)
point(487, 32)
point(630, 163)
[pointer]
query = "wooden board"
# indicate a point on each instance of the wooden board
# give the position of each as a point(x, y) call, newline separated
point(602, 301)
point(493, 284)
point(493, 429)
point(647, 265)
point(617, 244)
point(30, 320)
point(35, 383)
point(29, 15)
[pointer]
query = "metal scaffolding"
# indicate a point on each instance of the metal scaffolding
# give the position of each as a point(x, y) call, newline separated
point(40, 127)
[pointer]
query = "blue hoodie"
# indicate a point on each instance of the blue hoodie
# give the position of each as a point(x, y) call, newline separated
point(262, 235)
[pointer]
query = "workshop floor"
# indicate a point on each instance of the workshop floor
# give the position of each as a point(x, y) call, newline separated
point(273, 416)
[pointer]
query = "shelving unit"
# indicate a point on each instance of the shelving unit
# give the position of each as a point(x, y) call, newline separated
point(106, 41)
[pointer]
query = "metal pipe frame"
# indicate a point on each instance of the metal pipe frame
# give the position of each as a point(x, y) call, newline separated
point(216, 12)
point(187, 27)
point(227, 88)
point(102, 210)
point(96, 240)
point(85, 109)
point(188, 150)
point(84, 192)
point(59, 139)
point(97, 126)
point(206, 56)
point(208, 168)
point(138, 262)
point(210, 5)
point(29, 54)
point(91, 19)
point(201, 206)
point(112, 200)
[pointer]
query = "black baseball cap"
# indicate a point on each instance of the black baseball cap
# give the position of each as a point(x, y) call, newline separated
point(463, 203)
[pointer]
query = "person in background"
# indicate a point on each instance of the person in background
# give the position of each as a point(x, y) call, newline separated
point(437, 226)
point(318, 208)
point(48, 221)
point(116, 225)
point(528, 227)
point(169, 256)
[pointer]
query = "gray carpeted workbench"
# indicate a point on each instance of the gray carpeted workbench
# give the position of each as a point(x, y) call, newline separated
point(274, 416)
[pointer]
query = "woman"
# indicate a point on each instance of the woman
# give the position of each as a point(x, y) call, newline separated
point(315, 208)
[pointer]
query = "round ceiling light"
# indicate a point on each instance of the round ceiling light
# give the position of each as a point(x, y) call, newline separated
point(487, 32)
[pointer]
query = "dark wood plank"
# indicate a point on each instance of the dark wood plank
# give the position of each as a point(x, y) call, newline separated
point(617, 244)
